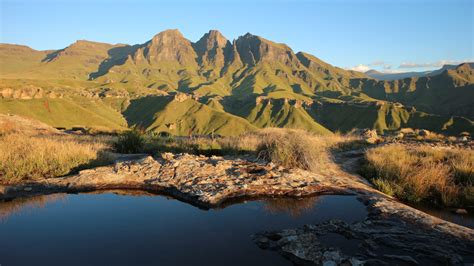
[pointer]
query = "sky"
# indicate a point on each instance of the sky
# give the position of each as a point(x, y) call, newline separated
point(386, 35)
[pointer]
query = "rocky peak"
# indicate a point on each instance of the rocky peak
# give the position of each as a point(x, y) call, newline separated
point(462, 75)
point(168, 46)
point(212, 39)
point(167, 36)
point(212, 49)
point(254, 49)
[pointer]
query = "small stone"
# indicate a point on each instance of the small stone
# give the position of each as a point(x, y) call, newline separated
point(27, 189)
point(460, 211)
point(423, 133)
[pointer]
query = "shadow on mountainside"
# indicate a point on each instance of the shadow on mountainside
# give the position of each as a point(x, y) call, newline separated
point(117, 56)
point(141, 111)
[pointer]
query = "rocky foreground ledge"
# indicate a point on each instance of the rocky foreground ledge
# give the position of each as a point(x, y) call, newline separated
point(392, 233)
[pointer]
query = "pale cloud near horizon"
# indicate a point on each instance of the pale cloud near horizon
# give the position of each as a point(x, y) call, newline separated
point(439, 63)
point(385, 67)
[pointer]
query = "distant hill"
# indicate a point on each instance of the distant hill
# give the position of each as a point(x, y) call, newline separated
point(215, 85)
point(393, 76)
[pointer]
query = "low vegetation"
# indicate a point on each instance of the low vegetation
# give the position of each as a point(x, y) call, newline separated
point(29, 157)
point(288, 147)
point(443, 176)
point(130, 142)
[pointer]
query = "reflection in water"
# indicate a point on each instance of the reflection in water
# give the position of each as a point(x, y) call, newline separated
point(292, 206)
point(11, 207)
point(466, 220)
point(136, 228)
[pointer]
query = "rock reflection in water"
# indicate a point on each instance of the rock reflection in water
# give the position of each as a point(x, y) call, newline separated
point(131, 227)
point(8, 208)
point(292, 206)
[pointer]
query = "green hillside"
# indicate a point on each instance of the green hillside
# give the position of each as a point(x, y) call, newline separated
point(229, 87)
point(66, 112)
point(188, 117)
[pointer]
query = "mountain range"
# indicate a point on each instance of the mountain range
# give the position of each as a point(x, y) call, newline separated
point(214, 85)
point(402, 75)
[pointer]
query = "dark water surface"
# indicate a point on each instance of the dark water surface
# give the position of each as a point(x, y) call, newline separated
point(110, 229)
point(466, 220)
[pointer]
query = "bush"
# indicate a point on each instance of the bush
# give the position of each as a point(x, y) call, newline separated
point(130, 142)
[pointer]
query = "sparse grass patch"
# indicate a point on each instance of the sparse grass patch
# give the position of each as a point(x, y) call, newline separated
point(422, 173)
point(29, 157)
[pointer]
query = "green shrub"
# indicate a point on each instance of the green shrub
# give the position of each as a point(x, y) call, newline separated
point(130, 142)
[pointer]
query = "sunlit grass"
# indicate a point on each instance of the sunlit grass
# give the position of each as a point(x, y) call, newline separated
point(423, 173)
point(29, 157)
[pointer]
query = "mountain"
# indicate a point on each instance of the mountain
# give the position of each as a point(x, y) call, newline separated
point(393, 76)
point(215, 85)
point(450, 92)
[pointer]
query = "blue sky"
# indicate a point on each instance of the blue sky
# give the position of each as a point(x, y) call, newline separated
point(388, 35)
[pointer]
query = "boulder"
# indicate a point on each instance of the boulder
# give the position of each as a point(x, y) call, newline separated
point(369, 135)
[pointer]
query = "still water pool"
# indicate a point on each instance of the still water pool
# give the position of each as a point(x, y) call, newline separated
point(112, 229)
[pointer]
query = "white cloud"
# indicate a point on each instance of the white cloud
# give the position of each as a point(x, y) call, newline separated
point(408, 66)
point(360, 68)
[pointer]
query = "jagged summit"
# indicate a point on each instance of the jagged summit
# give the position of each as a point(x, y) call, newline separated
point(167, 46)
point(214, 38)
point(254, 49)
point(213, 49)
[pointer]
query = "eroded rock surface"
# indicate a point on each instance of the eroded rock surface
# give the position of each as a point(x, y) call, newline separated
point(203, 181)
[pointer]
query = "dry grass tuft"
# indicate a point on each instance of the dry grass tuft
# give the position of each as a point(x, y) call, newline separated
point(28, 157)
point(296, 148)
point(423, 173)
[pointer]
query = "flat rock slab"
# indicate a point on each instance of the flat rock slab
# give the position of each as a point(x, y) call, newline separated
point(203, 181)
point(392, 233)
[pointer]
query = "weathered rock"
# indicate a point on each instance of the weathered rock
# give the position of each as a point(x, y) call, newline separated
point(203, 181)
point(369, 135)
point(181, 97)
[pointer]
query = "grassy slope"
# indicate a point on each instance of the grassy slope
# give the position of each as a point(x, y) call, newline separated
point(16, 58)
point(284, 115)
point(344, 117)
point(66, 112)
point(183, 118)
